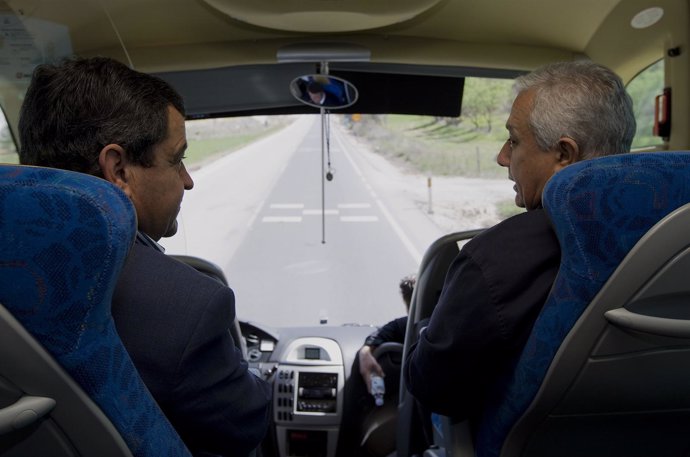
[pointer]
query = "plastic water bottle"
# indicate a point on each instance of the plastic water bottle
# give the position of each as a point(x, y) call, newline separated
point(378, 388)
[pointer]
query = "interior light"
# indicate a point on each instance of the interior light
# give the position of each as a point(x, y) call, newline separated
point(647, 18)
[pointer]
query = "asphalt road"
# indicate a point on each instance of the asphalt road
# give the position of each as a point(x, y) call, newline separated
point(257, 213)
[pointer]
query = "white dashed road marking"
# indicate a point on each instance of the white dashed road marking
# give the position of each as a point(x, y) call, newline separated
point(317, 212)
point(281, 219)
point(287, 211)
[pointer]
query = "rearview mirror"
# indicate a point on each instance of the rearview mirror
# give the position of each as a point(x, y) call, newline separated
point(323, 91)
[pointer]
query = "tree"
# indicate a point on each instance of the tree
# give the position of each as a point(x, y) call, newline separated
point(483, 99)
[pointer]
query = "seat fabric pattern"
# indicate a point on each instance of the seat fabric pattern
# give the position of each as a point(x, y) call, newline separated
point(64, 237)
point(599, 210)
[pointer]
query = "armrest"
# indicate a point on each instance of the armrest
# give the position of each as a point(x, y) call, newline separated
point(663, 326)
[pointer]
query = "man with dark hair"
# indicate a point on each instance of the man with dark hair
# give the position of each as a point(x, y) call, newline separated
point(98, 116)
point(495, 288)
point(320, 95)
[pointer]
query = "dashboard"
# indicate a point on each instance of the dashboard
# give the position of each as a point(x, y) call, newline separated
point(308, 368)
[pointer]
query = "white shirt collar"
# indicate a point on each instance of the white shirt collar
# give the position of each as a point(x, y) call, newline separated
point(144, 238)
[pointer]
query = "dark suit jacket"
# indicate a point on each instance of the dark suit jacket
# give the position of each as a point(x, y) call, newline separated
point(174, 323)
point(332, 100)
point(392, 332)
point(491, 297)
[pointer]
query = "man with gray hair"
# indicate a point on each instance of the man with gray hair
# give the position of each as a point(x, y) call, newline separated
point(496, 286)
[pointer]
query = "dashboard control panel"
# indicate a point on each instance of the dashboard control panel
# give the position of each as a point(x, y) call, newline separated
point(308, 397)
point(317, 392)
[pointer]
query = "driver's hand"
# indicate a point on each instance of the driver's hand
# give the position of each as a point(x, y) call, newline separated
point(368, 366)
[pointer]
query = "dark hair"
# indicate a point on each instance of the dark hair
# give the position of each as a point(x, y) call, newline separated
point(75, 108)
point(406, 288)
point(315, 87)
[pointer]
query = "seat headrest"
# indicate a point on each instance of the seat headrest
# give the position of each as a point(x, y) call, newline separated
point(600, 208)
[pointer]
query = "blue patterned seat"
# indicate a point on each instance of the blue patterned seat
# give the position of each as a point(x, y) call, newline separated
point(600, 210)
point(64, 237)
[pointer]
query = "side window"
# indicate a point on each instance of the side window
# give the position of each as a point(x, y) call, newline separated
point(643, 89)
point(8, 150)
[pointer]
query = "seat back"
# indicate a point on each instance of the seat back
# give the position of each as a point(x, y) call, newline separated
point(213, 271)
point(611, 380)
point(64, 237)
point(432, 273)
point(430, 278)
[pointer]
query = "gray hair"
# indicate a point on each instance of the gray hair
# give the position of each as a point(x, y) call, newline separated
point(581, 100)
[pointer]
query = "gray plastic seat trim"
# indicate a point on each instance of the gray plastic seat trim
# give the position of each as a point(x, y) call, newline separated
point(621, 317)
point(25, 411)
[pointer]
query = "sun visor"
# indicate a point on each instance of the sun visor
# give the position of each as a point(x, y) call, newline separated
point(391, 93)
point(265, 90)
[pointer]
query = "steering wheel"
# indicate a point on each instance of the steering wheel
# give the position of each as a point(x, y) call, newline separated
point(389, 356)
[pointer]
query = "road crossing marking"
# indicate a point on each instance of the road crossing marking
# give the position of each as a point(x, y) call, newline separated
point(281, 219)
point(346, 207)
point(318, 212)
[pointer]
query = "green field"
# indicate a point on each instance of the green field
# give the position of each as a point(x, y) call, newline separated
point(434, 146)
point(206, 149)
point(207, 139)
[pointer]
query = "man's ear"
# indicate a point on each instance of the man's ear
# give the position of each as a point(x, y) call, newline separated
point(113, 162)
point(568, 151)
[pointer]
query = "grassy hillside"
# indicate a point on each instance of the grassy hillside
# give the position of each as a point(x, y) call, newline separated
point(435, 146)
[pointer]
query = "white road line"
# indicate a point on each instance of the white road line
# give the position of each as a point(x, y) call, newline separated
point(354, 205)
point(359, 218)
point(281, 219)
point(416, 255)
point(286, 205)
point(317, 212)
